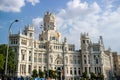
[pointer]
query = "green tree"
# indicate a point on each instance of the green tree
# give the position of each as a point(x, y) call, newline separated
point(11, 58)
point(34, 73)
point(84, 75)
point(41, 74)
point(11, 61)
point(52, 74)
point(93, 76)
point(101, 77)
point(55, 74)
point(2, 62)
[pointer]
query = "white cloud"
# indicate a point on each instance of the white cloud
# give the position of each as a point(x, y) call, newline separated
point(33, 2)
point(79, 17)
point(11, 5)
point(37, 22)
point(15, 5)
point(108, 3)
point(83, 17)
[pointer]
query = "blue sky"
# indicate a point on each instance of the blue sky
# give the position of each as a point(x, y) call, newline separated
point(97, 17)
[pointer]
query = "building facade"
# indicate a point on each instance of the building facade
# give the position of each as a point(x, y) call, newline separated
point(49, 52)
point(116, 64)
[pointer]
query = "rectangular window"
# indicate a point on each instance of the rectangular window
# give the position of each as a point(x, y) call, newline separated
point(29, 69)
point(94, 56)
point(31, 34)
point(35, 57)
point(24, 69)
point(79, 71)
point(78, 61)
point(83, 41)
point(14, 41)
point(71, 71)
point(96, 61)
point(75, 61)
point(40, 57)
point(53, 38)
point(39, 67)
point(71, 61)
point(84, 56)
point(95, 70)
point(30, 55)
point(30, 58)
point(45, 60)
point(96, 48)
point(84, 61)
point(40, 60)
point(75, 71)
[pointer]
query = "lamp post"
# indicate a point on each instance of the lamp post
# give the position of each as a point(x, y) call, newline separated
point(6, 62)
point(63, 64)
point(63, 59)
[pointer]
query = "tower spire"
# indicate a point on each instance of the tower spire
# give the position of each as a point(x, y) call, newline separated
point(101, 41)
point(49, 21)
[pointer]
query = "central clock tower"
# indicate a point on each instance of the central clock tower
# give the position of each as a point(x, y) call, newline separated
point(49, 32)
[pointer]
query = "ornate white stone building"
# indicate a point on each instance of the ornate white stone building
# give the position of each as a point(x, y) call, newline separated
point(49, 52)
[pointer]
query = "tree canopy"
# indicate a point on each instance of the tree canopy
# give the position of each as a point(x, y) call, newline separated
point(11, 58)
point(2, 61)
point(34, 73)
point(41, 74)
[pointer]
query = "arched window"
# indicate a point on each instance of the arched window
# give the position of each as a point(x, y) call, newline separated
point(71, 71)
point(75, 72)
point(79, 71)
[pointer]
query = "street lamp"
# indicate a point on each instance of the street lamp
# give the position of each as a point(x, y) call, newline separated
point(64, 59)
point(8, 46)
